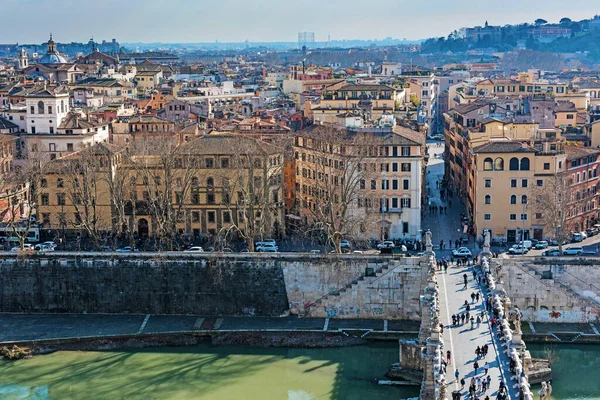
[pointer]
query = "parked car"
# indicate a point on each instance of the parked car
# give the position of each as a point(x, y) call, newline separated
point(462, 252)
point(591, 231)
point(551, 253)
point(518, 249)
point(345, 243)
point(573, 251)
point(542, 244)
point(126, 249)
point(272, 241)
point(194, 249)
point(577, 237)
point(51, 244)
point(552, 241)
point(42, 247)
point(26, 247)
point(315, 251)
point(267, 249)
point(388, 244)
point(526, 243)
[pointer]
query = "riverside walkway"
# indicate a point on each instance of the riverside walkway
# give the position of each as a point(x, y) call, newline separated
point(462, 341)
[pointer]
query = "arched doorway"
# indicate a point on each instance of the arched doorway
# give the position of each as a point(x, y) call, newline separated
point(143, 227)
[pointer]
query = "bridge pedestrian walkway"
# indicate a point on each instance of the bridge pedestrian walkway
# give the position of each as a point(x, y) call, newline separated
point(462, 341)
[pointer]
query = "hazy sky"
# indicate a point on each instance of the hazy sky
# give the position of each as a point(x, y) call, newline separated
point(30, 21)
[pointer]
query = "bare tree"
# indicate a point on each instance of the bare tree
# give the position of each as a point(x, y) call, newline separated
point(252, 187)
point(341, 167)
point(166, 176)
point(550, 204)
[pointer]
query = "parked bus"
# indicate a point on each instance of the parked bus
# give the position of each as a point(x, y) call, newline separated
point(7, 233)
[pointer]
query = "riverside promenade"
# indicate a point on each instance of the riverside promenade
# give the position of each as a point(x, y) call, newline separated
point(462, 341)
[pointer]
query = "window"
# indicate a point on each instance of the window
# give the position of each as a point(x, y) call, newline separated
point(210, 183)
point(46, 218)
point(499, 164)
point(363, 184)
point(209, 163)
point(513, 164)
point(523, 217)
point(60, 183)
point(394, 202)
point(373, 184)
point(487, 217)
point(487, 183)
point(525, 164)
point(524, 183)
point(157, 180)
point(77, 218)
point(210, 198)
point(224, 162)
point(49, 109)
point(51, 129)
point(394, 184)
point(385, 184)
point(45, 199)
point(487, 199)
point(210, 216)
point(524, 199)
point(488, 164)
point(40, 107)
point(569, 116)
point(60, 199)
point(32, 110)
point(539, 182)
point(538, 215)
point(69, 146)
point(406, 184)
point(513, 199)
point(513, 183)
point(226, 217)
point(405, 167)
point(395, 166)
point(405, 203)
point(43, 182)
point(179, 197)
point(405, 227)
point(195, 216)
point(52, 146)
point(405, 151)
point(513, 217)
point(546, 166)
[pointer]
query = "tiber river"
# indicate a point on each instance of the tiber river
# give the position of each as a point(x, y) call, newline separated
point(208, 372)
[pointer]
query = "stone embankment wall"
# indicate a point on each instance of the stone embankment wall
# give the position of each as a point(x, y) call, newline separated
point(564, 289)
point(344, 286)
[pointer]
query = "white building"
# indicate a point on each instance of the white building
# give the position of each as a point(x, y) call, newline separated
point(45, 110)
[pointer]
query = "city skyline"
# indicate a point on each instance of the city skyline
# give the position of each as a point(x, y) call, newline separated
point(266, 21)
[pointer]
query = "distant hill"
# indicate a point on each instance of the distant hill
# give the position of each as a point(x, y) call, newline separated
point(566, 36)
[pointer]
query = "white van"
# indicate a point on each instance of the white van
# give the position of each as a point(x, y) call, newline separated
point(526, 243)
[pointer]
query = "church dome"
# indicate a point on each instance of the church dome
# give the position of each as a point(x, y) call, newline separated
point(52, 56)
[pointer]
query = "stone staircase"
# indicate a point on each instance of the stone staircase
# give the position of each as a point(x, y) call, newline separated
point(371, 277)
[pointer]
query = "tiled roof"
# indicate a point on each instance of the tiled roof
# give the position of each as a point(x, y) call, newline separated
point(224, 143)
point(6, 124)
point(467, 108)
point(564, 106)
point(574, 152)
point(503, 147)
point(74, 120)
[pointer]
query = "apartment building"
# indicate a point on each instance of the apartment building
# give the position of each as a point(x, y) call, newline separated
point(583, 177)
point(213, 183)
point(386, 166)
point(423, 88)
point(344, 97)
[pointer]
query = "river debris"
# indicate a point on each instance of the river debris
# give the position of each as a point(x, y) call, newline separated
point(15, 352)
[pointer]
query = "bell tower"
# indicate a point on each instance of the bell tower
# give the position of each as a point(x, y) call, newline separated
point(23, 59)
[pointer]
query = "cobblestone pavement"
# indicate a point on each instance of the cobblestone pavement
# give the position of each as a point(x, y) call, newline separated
point(462, 340)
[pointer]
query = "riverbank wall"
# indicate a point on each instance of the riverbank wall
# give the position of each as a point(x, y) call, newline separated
point(331, 286)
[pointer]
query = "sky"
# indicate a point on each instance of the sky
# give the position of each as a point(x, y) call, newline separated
point(169, 21)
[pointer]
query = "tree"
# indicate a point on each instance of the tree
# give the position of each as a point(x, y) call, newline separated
point(565, 20)
point(342, 167)
point(251, 186)
point(551, 207)
point(540, 21)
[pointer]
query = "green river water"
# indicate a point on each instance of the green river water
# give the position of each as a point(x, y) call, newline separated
point(576, 373)
point(205, 372)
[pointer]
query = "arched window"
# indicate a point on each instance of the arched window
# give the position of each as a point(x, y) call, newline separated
point(488, 199)
point(210, 183)
point(513, 165)
point(40, 107)
point(525, 164)
point(488, 164)
point(513, 199)
point(62, 106)
point(499, 164)
point(157, 180)
point(195, 182)
point(524, 199)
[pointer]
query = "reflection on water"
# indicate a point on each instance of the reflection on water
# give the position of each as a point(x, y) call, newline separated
point(576, 373)
point(205, 372)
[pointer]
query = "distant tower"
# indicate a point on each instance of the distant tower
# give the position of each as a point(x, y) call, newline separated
point(23, 59)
